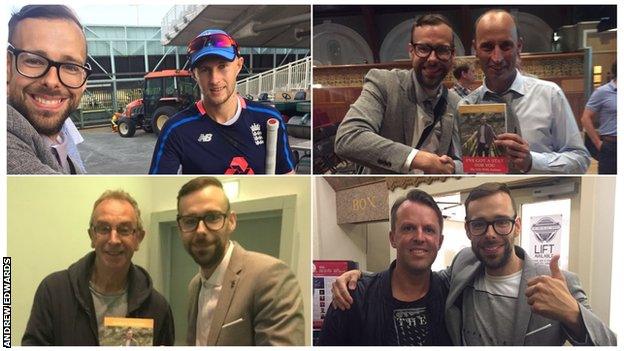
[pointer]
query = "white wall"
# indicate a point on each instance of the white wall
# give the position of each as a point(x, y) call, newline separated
point(595, 240)
point(333, 241)
point(47, 230)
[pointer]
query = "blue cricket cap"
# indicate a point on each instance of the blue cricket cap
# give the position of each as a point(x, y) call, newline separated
point(207, 47)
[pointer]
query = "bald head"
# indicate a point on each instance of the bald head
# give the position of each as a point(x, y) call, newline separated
point(497, 18)
point(497, 47)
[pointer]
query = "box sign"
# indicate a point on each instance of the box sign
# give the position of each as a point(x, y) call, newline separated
point(367, 203)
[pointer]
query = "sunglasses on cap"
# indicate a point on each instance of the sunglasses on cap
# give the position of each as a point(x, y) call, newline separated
point(218, 40)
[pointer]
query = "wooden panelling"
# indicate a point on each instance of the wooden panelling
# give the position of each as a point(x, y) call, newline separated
point(339, 86)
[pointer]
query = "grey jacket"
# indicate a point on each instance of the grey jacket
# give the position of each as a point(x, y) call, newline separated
point(27, 153)
point(466, 267)
point(384, 124)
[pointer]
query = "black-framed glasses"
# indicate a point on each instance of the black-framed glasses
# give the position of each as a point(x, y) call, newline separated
point(33, 65)
point(212, 220)
point(502, 226)
point(443, 52)
point(105, 229)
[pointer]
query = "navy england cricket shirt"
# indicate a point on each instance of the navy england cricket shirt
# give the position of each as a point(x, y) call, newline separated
point(197, 144)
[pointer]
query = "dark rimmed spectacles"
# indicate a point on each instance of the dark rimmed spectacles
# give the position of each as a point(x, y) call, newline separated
point(502, 226)
point(105, 229)
point(218, 40)
point(33, 65)
point(442, 52)
point(212, 220)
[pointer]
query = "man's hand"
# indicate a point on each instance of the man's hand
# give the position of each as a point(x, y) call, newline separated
point(517, 149)
point(549, 296)
point(432, 163)
point(342, 299)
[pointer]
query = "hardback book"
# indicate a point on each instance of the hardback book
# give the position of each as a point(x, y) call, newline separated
point(128, 332)
point(478, 127)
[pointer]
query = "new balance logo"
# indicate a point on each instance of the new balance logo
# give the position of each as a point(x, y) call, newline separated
point(204, 138)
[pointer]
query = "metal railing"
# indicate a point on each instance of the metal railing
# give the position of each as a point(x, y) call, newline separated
point(177, 18)
point(289, 77)
point(100, 100)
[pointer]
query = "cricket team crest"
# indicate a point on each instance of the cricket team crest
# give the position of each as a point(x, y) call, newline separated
point(257, 134)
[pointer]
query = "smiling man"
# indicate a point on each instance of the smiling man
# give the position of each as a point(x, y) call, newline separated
point(403, 305)
point(46, 75)
point(222, 133)
point(403, 120)
point(239, 297)
point(70, 306)
point(497, 295)
point(542, 133)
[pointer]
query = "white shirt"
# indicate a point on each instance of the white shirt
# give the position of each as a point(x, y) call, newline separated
point(209, 297)
point(59, 148)
point(421, 97)
point(546, 122)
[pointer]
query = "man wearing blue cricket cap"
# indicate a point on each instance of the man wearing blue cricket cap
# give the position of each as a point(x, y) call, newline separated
point(222, 133)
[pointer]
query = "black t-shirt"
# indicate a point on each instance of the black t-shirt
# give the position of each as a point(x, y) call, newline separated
point(377, 318)
point(409, 324)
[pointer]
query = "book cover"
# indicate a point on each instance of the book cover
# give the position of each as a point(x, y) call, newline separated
point(478, 127)
point(128, 332)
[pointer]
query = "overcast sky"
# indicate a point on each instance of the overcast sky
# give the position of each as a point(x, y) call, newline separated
point(144, 15)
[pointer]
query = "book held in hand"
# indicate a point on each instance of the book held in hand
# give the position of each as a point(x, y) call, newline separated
point(128, 332)
point(478, 127)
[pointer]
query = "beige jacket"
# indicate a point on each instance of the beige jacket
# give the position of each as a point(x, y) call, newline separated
point(260, 303)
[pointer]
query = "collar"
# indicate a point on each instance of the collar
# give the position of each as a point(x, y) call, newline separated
point(216, 279)
point(240, 104)
point(58, 140)
point(517, 85)
point(459, 85)
point(613, 85)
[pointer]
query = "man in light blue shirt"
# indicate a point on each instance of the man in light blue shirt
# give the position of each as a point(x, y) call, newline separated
point(603, 104)
point(542, 134)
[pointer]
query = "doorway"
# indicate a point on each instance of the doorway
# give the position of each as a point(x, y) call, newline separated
point(264, 225)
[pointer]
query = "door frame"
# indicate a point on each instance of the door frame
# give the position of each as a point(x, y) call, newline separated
point(162, 223)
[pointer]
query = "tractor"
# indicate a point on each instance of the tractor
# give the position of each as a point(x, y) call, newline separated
point(165, 93)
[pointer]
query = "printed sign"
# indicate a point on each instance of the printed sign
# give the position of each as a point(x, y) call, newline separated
point(546, 230)
point(546, 240)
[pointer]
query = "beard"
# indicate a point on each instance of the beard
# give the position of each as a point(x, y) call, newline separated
point(44, 122)
point(206, 252)
point(494, 263)
point(430, 82)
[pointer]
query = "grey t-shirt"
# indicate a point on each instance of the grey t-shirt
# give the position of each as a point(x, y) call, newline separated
point(489, 307)
point(108, 305)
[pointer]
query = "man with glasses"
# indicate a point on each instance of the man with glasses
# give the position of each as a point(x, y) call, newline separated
point(222, 133)
point(239, 297)
point(542, 133)
point(70, 306)
point(403, 120)
point(46, 75)
point(498, 295)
